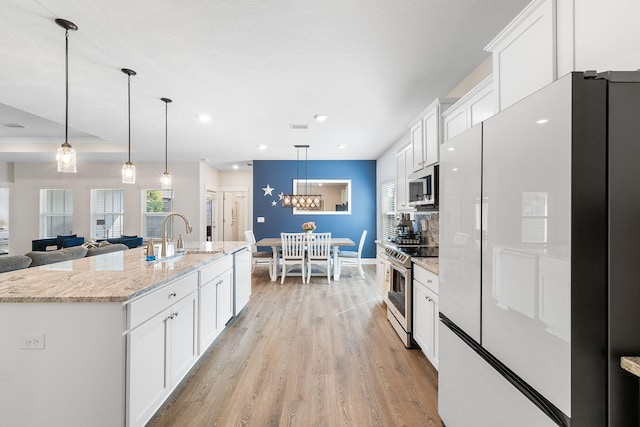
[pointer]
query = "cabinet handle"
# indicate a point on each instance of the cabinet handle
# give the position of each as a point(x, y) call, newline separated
point(219, 282)
point(173, 315)
point(170, 317)
point(173, 294)
point(429, 281)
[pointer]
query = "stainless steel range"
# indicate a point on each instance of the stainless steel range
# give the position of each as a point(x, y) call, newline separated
point(399, 297)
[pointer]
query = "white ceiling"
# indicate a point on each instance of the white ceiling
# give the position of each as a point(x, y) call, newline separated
point(254, 66)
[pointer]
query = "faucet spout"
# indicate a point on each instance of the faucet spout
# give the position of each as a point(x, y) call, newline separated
point(163, 251)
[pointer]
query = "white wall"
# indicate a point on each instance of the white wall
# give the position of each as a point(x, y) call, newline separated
point(29, 178)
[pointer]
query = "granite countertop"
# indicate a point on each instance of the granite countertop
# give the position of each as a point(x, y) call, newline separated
point(631, 364)
point(430, 263)
point(112, 277)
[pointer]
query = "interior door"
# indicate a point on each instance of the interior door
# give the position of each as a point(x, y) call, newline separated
point(211, 207)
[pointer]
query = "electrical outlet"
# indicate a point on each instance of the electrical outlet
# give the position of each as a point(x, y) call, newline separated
point(32, 342)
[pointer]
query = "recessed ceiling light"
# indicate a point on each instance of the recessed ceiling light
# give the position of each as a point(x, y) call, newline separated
point(321, 117)
point(542, 121)
point(262, 147)
point(299, 126)
point(342, 146)
point(235, 167)
point(204, 118)
point(455, 169)
point(451, 149)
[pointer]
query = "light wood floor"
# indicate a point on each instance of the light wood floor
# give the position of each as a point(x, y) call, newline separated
point(308, 355)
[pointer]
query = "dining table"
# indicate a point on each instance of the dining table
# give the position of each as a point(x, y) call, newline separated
point(276, 242)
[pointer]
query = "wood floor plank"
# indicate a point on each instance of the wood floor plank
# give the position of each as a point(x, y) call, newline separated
point(312, 354)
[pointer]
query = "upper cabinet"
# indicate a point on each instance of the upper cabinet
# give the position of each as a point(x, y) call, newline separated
point(426, 135)
point(524, 53)
point(403, 165)
point(551, 38)
point(477, 105)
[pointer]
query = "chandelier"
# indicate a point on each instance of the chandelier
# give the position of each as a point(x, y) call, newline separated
point(302, 201)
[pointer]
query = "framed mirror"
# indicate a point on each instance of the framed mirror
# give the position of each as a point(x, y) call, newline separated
point(336, 195)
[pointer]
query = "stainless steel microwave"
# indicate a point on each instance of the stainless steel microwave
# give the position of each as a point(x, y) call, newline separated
point(423, 191)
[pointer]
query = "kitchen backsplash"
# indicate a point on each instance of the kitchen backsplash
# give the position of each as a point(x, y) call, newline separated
point(428, 225)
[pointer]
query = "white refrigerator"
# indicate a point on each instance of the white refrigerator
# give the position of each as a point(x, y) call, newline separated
point(534, 310)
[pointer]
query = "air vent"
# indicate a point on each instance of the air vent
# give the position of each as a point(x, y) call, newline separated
point(298, 126)
point(13, 125)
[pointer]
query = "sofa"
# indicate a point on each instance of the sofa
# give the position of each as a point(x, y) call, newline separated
point(130, 241)
point(38, 258)
point(60, 241)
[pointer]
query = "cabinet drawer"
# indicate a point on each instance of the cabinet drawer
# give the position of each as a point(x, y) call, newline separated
point(146, 307)
point(213, 270)
point(426, 277)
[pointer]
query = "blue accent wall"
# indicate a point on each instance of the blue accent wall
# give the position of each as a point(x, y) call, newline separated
point(279, 174)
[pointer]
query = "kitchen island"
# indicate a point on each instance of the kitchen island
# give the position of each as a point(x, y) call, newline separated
point(103, 341)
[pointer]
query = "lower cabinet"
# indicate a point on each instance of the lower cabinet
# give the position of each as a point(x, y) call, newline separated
point(161, 349)
point(382, 270)
point(425, 315)
point(216, 297)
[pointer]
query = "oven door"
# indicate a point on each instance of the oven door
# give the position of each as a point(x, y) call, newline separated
point(399, 295)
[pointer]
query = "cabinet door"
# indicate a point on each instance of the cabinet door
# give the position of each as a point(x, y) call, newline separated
point(417, 147)
point(242, 280)
point(207, 313)
point(430, 130)
point(184, 329)
point(224, 301)
point(147, 380)
point(401, 179)
point(381, 267)
point(420, 321)
point(434, 328)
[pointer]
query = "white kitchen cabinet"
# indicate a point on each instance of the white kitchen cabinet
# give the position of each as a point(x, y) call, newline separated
point(425, 313)
point(524, 53)
point(426, 135)
point(161, 348)
point(403, 160)
point(215, 300)
point(242, 279)
point(382, 270)
point(477, 105)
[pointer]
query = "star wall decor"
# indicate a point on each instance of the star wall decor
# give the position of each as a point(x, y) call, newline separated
point(280, 196)
point(267, 190)
point(274, 203)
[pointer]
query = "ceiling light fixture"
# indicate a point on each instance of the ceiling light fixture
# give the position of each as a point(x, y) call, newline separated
point(66, 155)
point(165, 180)
point(321, 117)
point(262, 147)
point(302, 201)
point(204, 118)
point(342, 146)
point(128, 169)
point(236, 167)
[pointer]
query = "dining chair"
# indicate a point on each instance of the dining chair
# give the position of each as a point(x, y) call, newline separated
point(353, 258)
point(319, 252)
point(293, 253)
point(258, 257)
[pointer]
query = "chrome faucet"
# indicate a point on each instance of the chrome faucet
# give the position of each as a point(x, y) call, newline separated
point(163, 251)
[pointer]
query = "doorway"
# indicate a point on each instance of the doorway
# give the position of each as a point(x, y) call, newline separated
point(234, 215)
point(211, 207)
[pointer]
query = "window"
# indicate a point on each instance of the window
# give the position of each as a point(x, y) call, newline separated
point(56, 212)
point(157, 204)
point(534, 217)
point(107, 213)
point(388, 207)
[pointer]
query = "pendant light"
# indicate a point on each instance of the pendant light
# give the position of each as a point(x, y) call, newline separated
point(66, 155)
point(165, 180)
point(128, 169)
point(302, 201)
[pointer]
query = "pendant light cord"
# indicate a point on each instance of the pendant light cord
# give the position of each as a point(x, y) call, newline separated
point(129, 111)
point(66, 83)
point(166, 134)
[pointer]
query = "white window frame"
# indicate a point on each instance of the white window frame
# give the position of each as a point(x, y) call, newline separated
point(147, 215)
point(388, 209)
point(113, 217)
point(65, 212)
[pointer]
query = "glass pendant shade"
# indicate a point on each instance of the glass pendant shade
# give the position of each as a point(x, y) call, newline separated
point(165, 180)
point(128, 173)
point(66, 157)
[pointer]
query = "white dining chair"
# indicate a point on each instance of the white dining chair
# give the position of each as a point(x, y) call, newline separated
point(293, 253)
point(258, 257)
point(319, 253)
point(353, 258)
